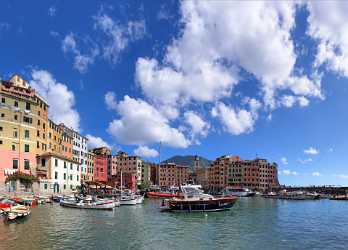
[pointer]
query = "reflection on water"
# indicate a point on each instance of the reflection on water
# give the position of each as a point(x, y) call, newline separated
point(253, 223)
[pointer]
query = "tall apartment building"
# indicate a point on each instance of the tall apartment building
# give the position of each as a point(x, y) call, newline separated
point(131, 165)
point(90, 167)
point(171, 174)
point(255, 174)
point(79, 148)
point(58, 174)
point(101, 163)
point(23, 127)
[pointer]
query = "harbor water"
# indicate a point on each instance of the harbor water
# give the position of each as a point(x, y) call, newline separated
point(253, 223)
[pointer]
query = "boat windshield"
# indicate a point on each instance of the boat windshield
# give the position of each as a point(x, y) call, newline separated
point(191, 191)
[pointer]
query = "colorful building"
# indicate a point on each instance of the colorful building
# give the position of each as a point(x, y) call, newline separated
point(90, 167)
point(21, 109)
point(171, 174)
point(58, 174)
point(101, 163)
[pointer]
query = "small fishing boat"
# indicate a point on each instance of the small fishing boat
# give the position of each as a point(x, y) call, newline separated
point(16, 212)
point(239, 192)
point(192, 199)
point(89, 203)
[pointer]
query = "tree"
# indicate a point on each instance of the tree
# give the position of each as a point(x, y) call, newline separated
point(26, 179)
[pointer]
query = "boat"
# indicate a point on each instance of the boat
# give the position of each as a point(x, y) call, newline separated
point(158, 193)
point(139, 199)
point(128, 199)
point(269, 195)
point(16, 212)
point(239, 192)
point(298, 195)
point(57, 198)
point(89, 203)
point(193, 199)
point(341, 197)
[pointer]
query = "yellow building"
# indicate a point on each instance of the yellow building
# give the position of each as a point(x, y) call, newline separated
point(21, 110)
point(90, 167)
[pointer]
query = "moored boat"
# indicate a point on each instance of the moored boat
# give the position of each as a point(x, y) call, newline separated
point(298, 195)
point(193, 199)
point(89, 203)
point(16, 212)
point(239, 192)
point(128, 199)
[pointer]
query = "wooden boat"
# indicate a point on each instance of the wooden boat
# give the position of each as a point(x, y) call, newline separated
point(194, 200)
point(89, 203)
point(155, 194)
point(16, 212)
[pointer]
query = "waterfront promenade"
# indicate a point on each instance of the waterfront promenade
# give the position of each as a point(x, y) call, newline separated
point(254, 223)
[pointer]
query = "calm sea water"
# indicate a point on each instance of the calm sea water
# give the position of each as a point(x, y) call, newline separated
point(253, 223)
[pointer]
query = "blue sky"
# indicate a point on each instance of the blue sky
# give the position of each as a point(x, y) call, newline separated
point(205, 77)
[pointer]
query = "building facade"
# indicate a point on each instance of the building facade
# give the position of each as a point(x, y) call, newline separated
point(171, 174)
point(101, 163)
point(90, 167)
point(256, 174)
point(131, 165)
point(21, 109)
point(58, 174)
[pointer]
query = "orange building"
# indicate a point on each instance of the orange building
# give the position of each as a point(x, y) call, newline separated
point(171, 174)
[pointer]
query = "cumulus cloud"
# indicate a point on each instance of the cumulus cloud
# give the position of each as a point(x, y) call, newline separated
point(96, 142)
point(81, 61)
point(140, 123)
point(218, 28)
point(197, 126)
point(110, 100)
point(284, 160)
point(235, 121)
point(118, 36)
point(311, 151)
point(61, 99)
point(145, 151)
point(328, 24)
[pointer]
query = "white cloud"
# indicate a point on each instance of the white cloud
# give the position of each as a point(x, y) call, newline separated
point(110, 100)
point(316, 174)
point(303, 101)
point(81, 61)
point(61, 99)
point(288, 101)
point(288, 172)
point(235, 121)
point(140, 123)
point(284, 161)
point(145, 151)
point(311, 151)
point(96, 142)
point(305, 161)
point(198, 127)
point(218, 28)
point(328, 24)
point(117, 36)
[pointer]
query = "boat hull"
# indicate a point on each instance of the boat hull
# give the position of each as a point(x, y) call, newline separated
point(128, 202)
point(160, 195)
point(211, 205)
point(103, 206)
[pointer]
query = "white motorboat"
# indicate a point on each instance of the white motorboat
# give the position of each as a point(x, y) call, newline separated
point(128, 200)
point(239, 192)
point(16, 212)
point(89, 203)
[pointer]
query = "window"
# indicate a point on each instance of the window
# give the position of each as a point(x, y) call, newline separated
point(3, 100)
point(38, 122)
point(44, 126)
point(2, 115)
point(15, 134)
point(43, 162)
point(45, 186)
point(64, 186)
point(38, 133)
point(0, 142)
point(27, 106)
point(26, 134)
point(71, 177)
point(28, 119)
point(56, 162)
point(70, 166)
point(77, 178)
point(13, 147)
point(16, 117)
point(64, 164)
point(37, 144)
point(0, 128)
point(26, 147)
point(56, 175)
point(77, 167)
point(39, 113)
point(26, 164)
point(16, 104)
point(64, 176)
point(15, 163)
